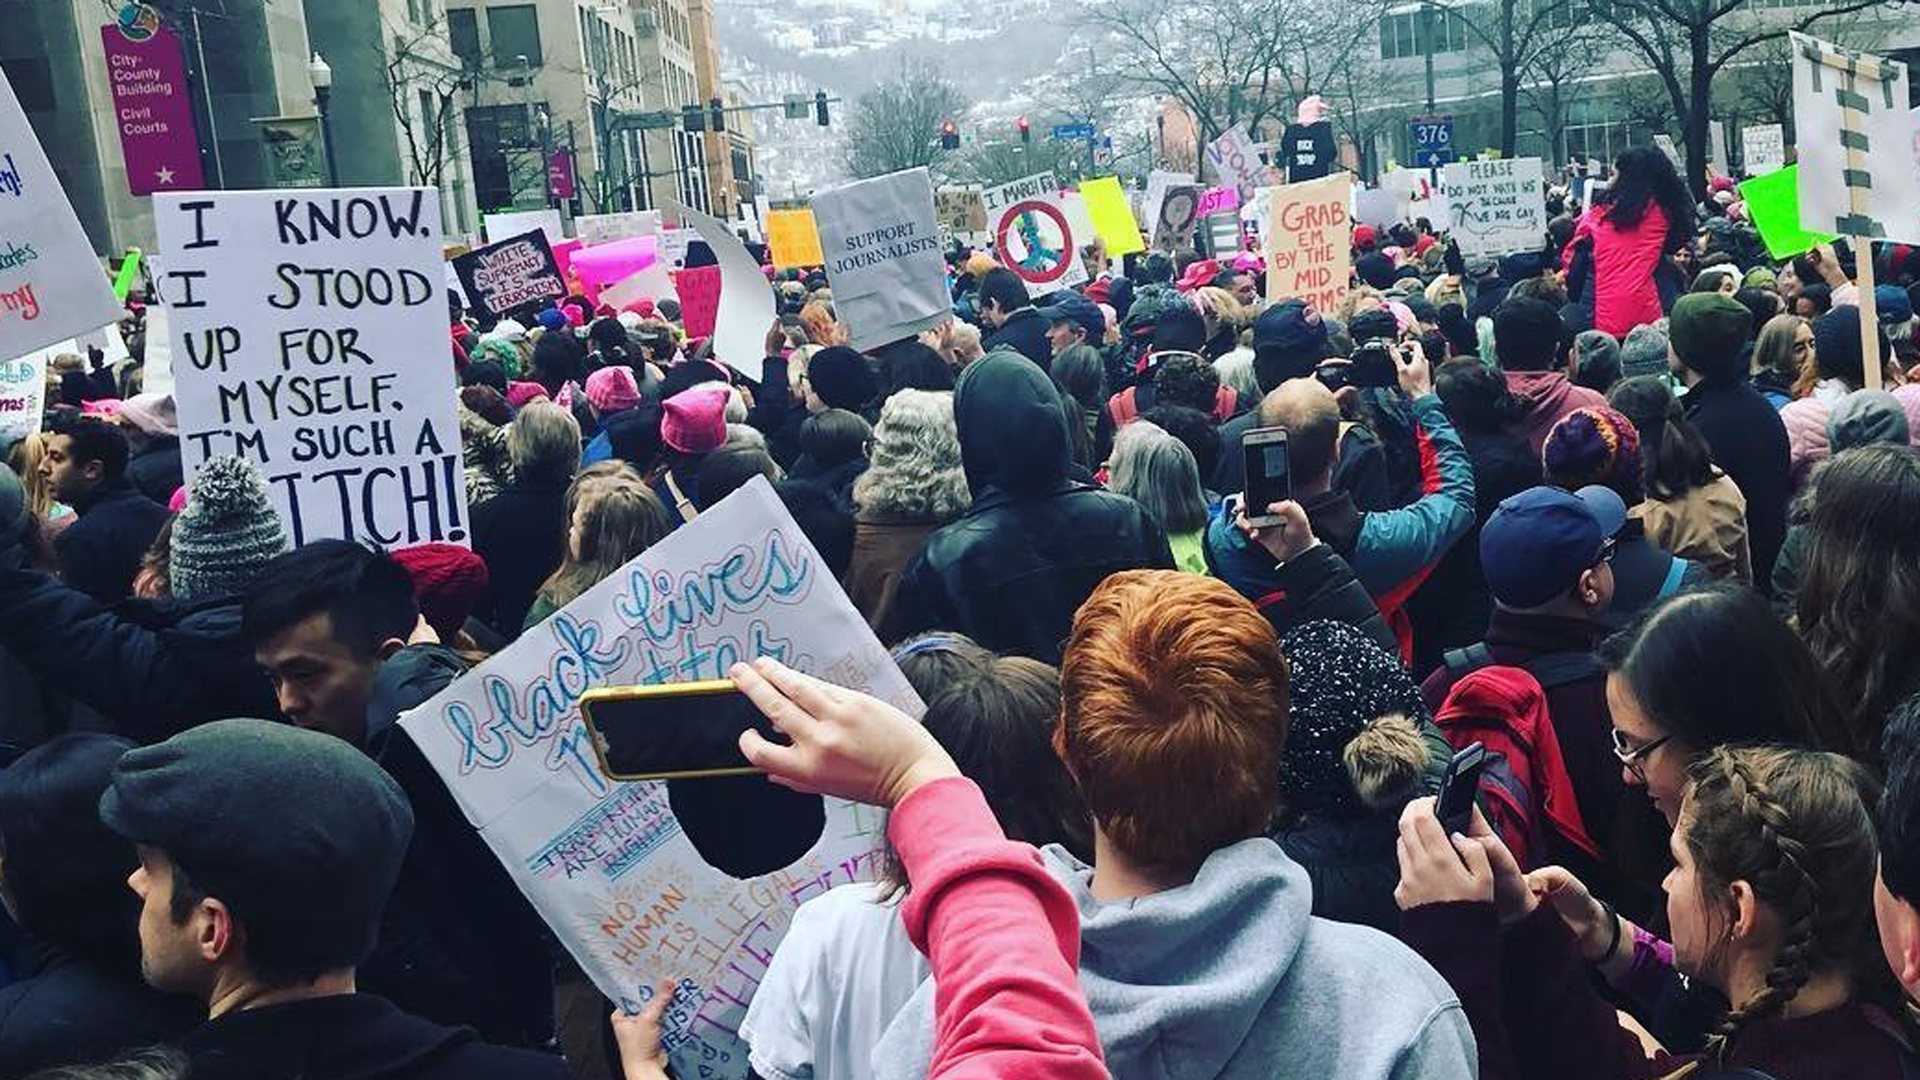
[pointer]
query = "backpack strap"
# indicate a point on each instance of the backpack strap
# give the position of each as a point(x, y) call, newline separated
point(688, 511)
point(1676, 572)
point(1559, 669)
point(1471, 658)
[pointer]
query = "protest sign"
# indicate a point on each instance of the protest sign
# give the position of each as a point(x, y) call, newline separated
point(514, 278)
point(745, 308)
point(699, 292)
point(51, 286)
point(1218, 200)
point(1496, 207)
point(1234, 159)
point(156, 367)
point(1308, 241)
point(1112, 218)
point(602, 228)
point(23, 392)
point(607, 263)
point(1159, 182)
point(501, 226)
point(1032, 235)
point(1773, 201)
point(1179, 213)
point(651, 283)
point(1717, 147)
point(1860, 181)
point(882, 247)
point(608, 865)
point(1376, 206)
point(960, 210)
point(1762, 148)
point(793, 239)
point(1079, 219)
point(312, 338)
point(673, 246)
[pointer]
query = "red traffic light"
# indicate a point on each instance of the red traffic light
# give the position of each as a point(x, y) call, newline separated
point(1024, 125)
point(1026, 130)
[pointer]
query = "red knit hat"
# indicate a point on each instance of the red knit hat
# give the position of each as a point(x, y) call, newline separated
point(447, 581)
point(1364, 237)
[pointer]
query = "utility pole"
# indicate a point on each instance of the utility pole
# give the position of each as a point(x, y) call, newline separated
point(1426, 35)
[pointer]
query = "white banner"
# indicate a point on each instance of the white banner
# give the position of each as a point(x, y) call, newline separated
point(1857, 177)
point(309, 334)
point(51, 285)
point(1763, 148)
point(881, 240)
point(1496, 207)
point(607, 864)
point(1032, 234)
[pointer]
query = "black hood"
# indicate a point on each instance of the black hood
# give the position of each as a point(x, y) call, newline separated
point(1013, 438)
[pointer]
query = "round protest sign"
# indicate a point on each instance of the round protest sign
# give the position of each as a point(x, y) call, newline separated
point(1034, 241)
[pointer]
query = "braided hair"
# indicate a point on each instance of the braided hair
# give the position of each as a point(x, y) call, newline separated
point(1797, 827)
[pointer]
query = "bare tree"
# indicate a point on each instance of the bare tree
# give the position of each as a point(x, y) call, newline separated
point(1765, 78)
point(896, 125)
point(1514, 32)
point(1688, 42)
point(1549, 80)
point(421, 70)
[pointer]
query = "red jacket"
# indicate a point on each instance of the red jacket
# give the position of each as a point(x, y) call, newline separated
point(1624, 294)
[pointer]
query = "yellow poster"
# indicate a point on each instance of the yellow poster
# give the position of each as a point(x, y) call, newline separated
point(793, 239)
point(1112, 218)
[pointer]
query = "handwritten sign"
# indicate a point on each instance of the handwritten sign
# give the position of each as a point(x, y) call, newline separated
point(1309, 241)
point(1763, 148)
point(1159, 183)
point(1033, 235)
point(607, 864)
point(1234, 159)
point(1496, 207)
point(1859, 179)
point(793, 240)
point(514, 278)
point(513, 223)
point(51, 286)
point(960, 210)
point(601, 228)
point(882, 247)
point(310, 336)
point(23, 393)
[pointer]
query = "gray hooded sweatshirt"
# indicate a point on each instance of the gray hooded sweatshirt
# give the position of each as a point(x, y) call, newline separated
point(1231, 977)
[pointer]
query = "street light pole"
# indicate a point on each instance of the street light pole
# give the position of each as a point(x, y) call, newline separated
point(322, 77)
point(1426, 26)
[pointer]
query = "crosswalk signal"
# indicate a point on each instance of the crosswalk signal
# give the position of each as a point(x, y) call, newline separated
point(949, 136)
point(820, 108)
point(1026, 130)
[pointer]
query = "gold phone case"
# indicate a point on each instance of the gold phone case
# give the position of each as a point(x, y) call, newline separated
point(701, 688)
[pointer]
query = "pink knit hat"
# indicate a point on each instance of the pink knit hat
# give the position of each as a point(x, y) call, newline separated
point(519, 394)
point(612, 389)
point(695, 421)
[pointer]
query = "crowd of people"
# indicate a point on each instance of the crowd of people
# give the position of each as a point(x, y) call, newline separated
point(1622, 510)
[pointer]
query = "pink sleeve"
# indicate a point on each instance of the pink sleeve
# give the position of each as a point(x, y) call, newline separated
point(1004, 939)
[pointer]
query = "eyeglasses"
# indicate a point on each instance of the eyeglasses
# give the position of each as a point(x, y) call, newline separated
point(1607, 548)
point(1634, 757)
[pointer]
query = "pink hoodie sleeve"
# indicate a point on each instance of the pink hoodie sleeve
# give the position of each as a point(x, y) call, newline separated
point(1004, 939)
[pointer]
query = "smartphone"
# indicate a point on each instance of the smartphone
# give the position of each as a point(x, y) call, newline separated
point(672, 730)
point(1268, 479)
point(1458, 787)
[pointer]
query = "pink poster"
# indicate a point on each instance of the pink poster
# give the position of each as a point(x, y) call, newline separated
point(699, 290)
point(152, 107)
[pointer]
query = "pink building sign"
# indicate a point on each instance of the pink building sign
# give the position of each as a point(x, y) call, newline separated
point(152, 109)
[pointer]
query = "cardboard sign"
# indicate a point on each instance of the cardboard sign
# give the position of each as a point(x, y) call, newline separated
point(1032, 234)
point(745, 309)
point(793, 239)
point(1773, 201)
point(882, 244)
point(515, 278)
point(310, 336)
point(1860, 181)
point(1234, 159)
point(960, 210)
point(1496, 207)
point(51, 286)
point(1112, 218)
point(607, 864)
point(1309, 241)
point(1763, 148)
point(501, 226)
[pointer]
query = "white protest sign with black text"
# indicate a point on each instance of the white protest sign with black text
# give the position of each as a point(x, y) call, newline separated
point(1859, 179)
point(1496, 207)
point(607, 864)
point(309, 334)
point(51, 286)
point(1763, 149)
point(881, 239)
point(1032, 235)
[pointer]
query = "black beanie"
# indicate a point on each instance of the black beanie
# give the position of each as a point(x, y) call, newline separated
point(843, 378)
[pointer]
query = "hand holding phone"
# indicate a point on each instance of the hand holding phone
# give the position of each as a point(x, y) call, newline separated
point(1459, 786)
point(1269, 477)
point(671, 731)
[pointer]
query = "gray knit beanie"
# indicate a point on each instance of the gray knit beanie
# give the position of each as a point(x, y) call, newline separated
point(1644, 352)
point(227, 532)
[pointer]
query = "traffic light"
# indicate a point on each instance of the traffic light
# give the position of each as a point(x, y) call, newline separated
point(949, 136)
point(820, 108)
point(719, 111)
point(1026, 130)
point(692, 119)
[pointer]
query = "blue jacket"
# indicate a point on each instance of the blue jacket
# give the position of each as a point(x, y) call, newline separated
point(1388, 549)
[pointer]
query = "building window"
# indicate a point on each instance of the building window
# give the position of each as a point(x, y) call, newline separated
point(463, 32)
point(515, 32)
point(1403, 34)
point(413, 11)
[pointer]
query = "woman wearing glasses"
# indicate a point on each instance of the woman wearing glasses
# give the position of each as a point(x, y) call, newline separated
point(1696, 672)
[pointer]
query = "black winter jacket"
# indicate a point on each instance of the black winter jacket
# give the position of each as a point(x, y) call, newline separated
point(1025, 332)
point(1749, 442)
point(100, 551)
point(1035, 544)
point(71, 1010)
point(351, 1037)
